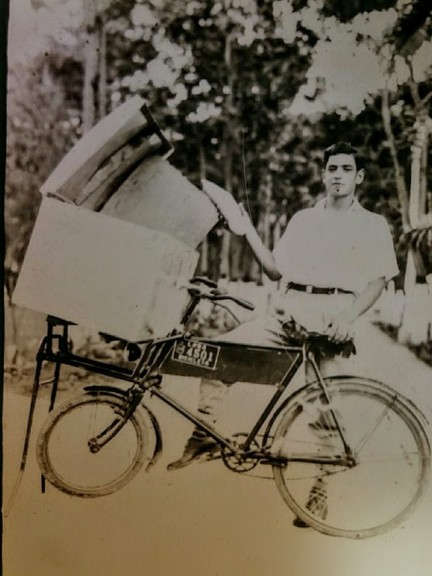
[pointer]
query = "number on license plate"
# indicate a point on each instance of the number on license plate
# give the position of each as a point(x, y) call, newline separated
point(196, 353)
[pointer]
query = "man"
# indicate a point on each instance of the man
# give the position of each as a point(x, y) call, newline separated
point(334, 261)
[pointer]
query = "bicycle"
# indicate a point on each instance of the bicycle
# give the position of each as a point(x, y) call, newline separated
point(349, 455)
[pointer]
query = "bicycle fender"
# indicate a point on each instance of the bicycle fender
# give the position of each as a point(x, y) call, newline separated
point(96, 390)
point(409, 404)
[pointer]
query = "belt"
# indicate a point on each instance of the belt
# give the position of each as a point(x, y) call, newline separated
point(316, 290)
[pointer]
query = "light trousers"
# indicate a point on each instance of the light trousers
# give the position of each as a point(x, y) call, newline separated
point(312, 311)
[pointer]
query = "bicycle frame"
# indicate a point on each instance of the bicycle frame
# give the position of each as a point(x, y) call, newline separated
point(160, 359)
point(285, 361)
point(291, 430)
point(162, 356)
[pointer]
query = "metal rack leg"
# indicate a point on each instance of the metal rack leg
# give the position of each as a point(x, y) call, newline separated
point(55, 382)
point(35, 390)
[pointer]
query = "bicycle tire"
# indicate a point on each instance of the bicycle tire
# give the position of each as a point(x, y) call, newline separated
point(63, 452)
point(392, 458)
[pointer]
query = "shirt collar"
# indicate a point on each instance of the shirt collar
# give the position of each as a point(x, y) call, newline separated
point(355, 206)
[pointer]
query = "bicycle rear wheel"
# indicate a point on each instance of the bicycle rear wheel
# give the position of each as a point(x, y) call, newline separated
point(64, 451)
point(391, 458)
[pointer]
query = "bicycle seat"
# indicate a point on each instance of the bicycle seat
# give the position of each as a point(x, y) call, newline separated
point(322, 344)
point(294, 334)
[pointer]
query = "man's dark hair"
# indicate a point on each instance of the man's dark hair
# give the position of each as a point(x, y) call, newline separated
point(344, 148)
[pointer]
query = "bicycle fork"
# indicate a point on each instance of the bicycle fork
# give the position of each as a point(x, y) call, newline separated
point(131, 402)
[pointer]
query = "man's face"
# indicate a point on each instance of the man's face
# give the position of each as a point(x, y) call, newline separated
point(341, 176)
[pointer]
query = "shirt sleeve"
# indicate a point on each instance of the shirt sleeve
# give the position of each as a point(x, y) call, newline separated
point(383, 262)
point(286, 245)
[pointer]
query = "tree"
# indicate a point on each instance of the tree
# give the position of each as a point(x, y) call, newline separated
point(240, 72)
point(40, 129)
point(402, 59)
point(224, 79)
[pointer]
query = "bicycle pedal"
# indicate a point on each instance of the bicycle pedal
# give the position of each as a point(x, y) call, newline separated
point(209, 456)
point(276, 462)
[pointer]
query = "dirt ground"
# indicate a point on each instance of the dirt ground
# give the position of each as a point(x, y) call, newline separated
point(203, 520)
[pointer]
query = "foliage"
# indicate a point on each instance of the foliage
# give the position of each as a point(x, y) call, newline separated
point(421, 240)
point(197, 92)
point(413, 26)
point(223, 78)
point(41, 126)
point(423, 351)
point(346, 11)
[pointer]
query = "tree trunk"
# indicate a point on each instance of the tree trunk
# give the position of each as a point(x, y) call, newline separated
point(264, 223)
point(224, 269)
point(399, 173)
point(236, 258)
point(416, 208)
point(423, 180)
point(102, 86)
point(224, 266)
point(266, 217)
point(91, 47)
point(204, 256)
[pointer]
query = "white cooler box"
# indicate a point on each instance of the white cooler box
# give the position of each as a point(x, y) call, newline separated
point(104, 273)
point(119, 167)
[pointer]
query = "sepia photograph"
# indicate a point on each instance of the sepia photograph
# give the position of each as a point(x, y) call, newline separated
point(217, 288)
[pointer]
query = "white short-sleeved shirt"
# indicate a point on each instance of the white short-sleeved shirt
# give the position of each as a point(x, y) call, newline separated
point(336, 249)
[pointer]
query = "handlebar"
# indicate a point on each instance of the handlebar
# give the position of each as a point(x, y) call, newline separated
point(214, 294)
point(203, 280)
point(219, 295)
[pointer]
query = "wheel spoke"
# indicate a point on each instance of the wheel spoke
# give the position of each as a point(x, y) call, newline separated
point(364, 494)
point(369, 434)
point(72, 456)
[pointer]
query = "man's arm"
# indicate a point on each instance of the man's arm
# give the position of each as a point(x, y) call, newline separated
point(261, 252)
point(339, 329)
point(239, 223)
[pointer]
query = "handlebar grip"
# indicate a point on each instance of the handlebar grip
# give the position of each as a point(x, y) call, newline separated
point(244, 303)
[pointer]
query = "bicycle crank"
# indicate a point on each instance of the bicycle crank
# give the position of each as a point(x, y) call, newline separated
point(240, 461)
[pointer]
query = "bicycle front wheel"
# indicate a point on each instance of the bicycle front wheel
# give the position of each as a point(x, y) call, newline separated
point(65, 446)
point(389, 470)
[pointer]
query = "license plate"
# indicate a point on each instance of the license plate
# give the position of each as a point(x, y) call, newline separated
point(196, 353)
